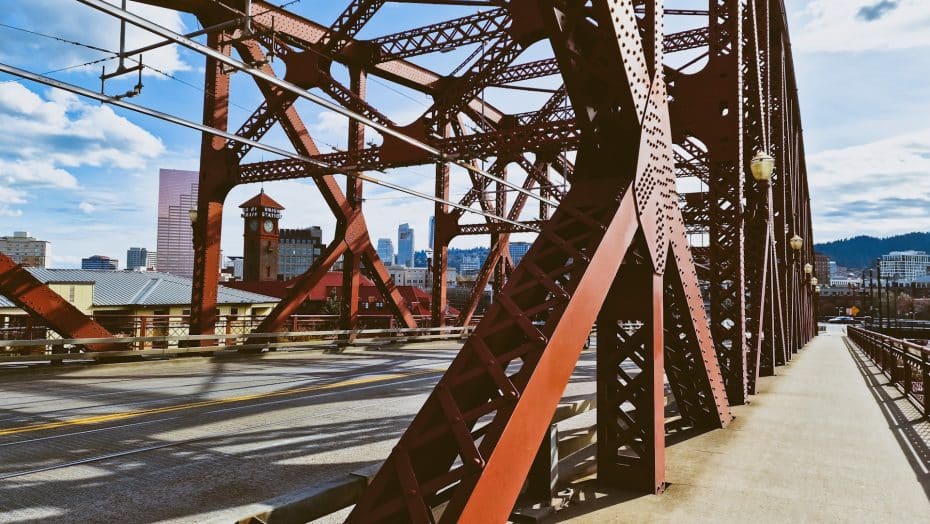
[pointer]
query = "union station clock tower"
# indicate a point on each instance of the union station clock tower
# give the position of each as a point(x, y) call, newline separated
point(260, 247)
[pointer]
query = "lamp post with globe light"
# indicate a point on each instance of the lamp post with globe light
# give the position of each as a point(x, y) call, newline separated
point(762, 166)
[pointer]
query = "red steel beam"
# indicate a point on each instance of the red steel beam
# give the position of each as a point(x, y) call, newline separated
point(545, 136)
point(351, 263)
point(38, 300)
point(214, 183)
point(443, 36)
point(476, 469)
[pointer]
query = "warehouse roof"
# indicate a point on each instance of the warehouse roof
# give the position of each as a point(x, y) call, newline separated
point(125, 288)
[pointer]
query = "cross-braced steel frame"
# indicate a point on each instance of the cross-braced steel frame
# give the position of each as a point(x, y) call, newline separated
point(701, 287)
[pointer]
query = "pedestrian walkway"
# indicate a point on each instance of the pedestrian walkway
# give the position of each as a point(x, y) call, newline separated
point(822, 442)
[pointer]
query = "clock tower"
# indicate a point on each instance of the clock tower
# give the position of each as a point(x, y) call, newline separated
point(260, 247)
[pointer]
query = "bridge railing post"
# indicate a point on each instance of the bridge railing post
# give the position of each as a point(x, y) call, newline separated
point(925, 379)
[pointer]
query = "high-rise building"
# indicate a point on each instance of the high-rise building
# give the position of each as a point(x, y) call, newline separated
point(905, 266)
point(25, 250)
point(432, 230)
point(237, 267)
point(151, 258)
point(469, 265)
point(405, 245)
point(136, 258)
point(386, 251)
point(518, 250)
point(822, 267)
point(297, 249)
point(260, 246)
point(177, 195)
point(99, 262)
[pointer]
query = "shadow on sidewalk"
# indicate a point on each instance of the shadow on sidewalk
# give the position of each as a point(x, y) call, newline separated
point(910, 427)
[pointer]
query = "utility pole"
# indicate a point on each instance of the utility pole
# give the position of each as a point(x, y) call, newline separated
point(878, 271)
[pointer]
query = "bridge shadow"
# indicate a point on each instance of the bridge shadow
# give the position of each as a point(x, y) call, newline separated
point(910, 427)
point(213, 458)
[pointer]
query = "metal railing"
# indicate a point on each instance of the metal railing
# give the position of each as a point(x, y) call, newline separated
point(174, 345)
point(906, 364)
point(165, 331)
point(548, 474)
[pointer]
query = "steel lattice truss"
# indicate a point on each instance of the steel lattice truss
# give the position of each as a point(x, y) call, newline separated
point(618, 244)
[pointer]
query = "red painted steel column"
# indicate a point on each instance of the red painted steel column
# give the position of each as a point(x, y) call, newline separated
point(215, 170)
point(351, 262)
point(630, 367)
point(500, 268)
point(707, 116)
point(440, 262)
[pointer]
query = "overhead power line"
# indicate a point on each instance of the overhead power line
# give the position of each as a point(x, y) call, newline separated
point(78, 90)
point(105, 7)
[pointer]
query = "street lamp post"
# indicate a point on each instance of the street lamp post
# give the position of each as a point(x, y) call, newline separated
point(429, 264)
point(878, 272)
point(913, 299)
point(762, 166)
point(894, 296)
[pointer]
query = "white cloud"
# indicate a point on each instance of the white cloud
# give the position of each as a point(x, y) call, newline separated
point(37, 172)
point(80, 23)
point(878, 188)
point(87, 207)
point(861, 25)
point(48, 137)
point(10, 197)
point(69, 132)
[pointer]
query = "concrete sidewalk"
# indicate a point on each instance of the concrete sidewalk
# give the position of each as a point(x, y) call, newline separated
point(822, 442)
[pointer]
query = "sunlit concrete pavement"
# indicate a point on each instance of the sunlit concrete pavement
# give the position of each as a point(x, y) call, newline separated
point(192, 440)
point(819, 443)
point(195, 440)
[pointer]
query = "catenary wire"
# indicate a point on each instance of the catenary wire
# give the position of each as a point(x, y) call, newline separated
point(51, 82)
point(105, 7)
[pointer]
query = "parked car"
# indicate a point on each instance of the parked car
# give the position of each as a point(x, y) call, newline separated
point(843, 320)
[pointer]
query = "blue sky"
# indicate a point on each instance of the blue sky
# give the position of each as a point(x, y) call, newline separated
point(84, 176)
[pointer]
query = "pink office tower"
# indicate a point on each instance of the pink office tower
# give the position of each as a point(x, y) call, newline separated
point(177, 195)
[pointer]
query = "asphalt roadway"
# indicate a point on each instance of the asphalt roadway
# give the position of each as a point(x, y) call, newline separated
point(195, 440)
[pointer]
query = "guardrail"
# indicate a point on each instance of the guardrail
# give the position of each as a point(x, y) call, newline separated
point(24, 327)
point(907, 365)
point(165, 346)
point(549, 472)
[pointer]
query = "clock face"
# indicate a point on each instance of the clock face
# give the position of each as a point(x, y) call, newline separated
point(253, 224)
point(268, 226)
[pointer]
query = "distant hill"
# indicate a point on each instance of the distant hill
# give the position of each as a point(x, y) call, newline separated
point(861, 251)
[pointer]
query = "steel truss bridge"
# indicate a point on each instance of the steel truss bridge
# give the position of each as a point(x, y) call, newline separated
point(600, 159)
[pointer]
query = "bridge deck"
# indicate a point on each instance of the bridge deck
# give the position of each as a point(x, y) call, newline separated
point(822, 442)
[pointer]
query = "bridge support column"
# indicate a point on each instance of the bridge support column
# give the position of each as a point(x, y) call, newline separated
point(440, 262)
point(216, 170)
point(630, 383)
point(351, 262)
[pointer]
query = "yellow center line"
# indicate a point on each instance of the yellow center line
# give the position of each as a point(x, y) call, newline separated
point(205, 403)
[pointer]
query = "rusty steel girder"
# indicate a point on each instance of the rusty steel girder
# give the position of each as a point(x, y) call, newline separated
point(470, 447)
point(760, 315)
point(38, 300)
point(615, 249)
